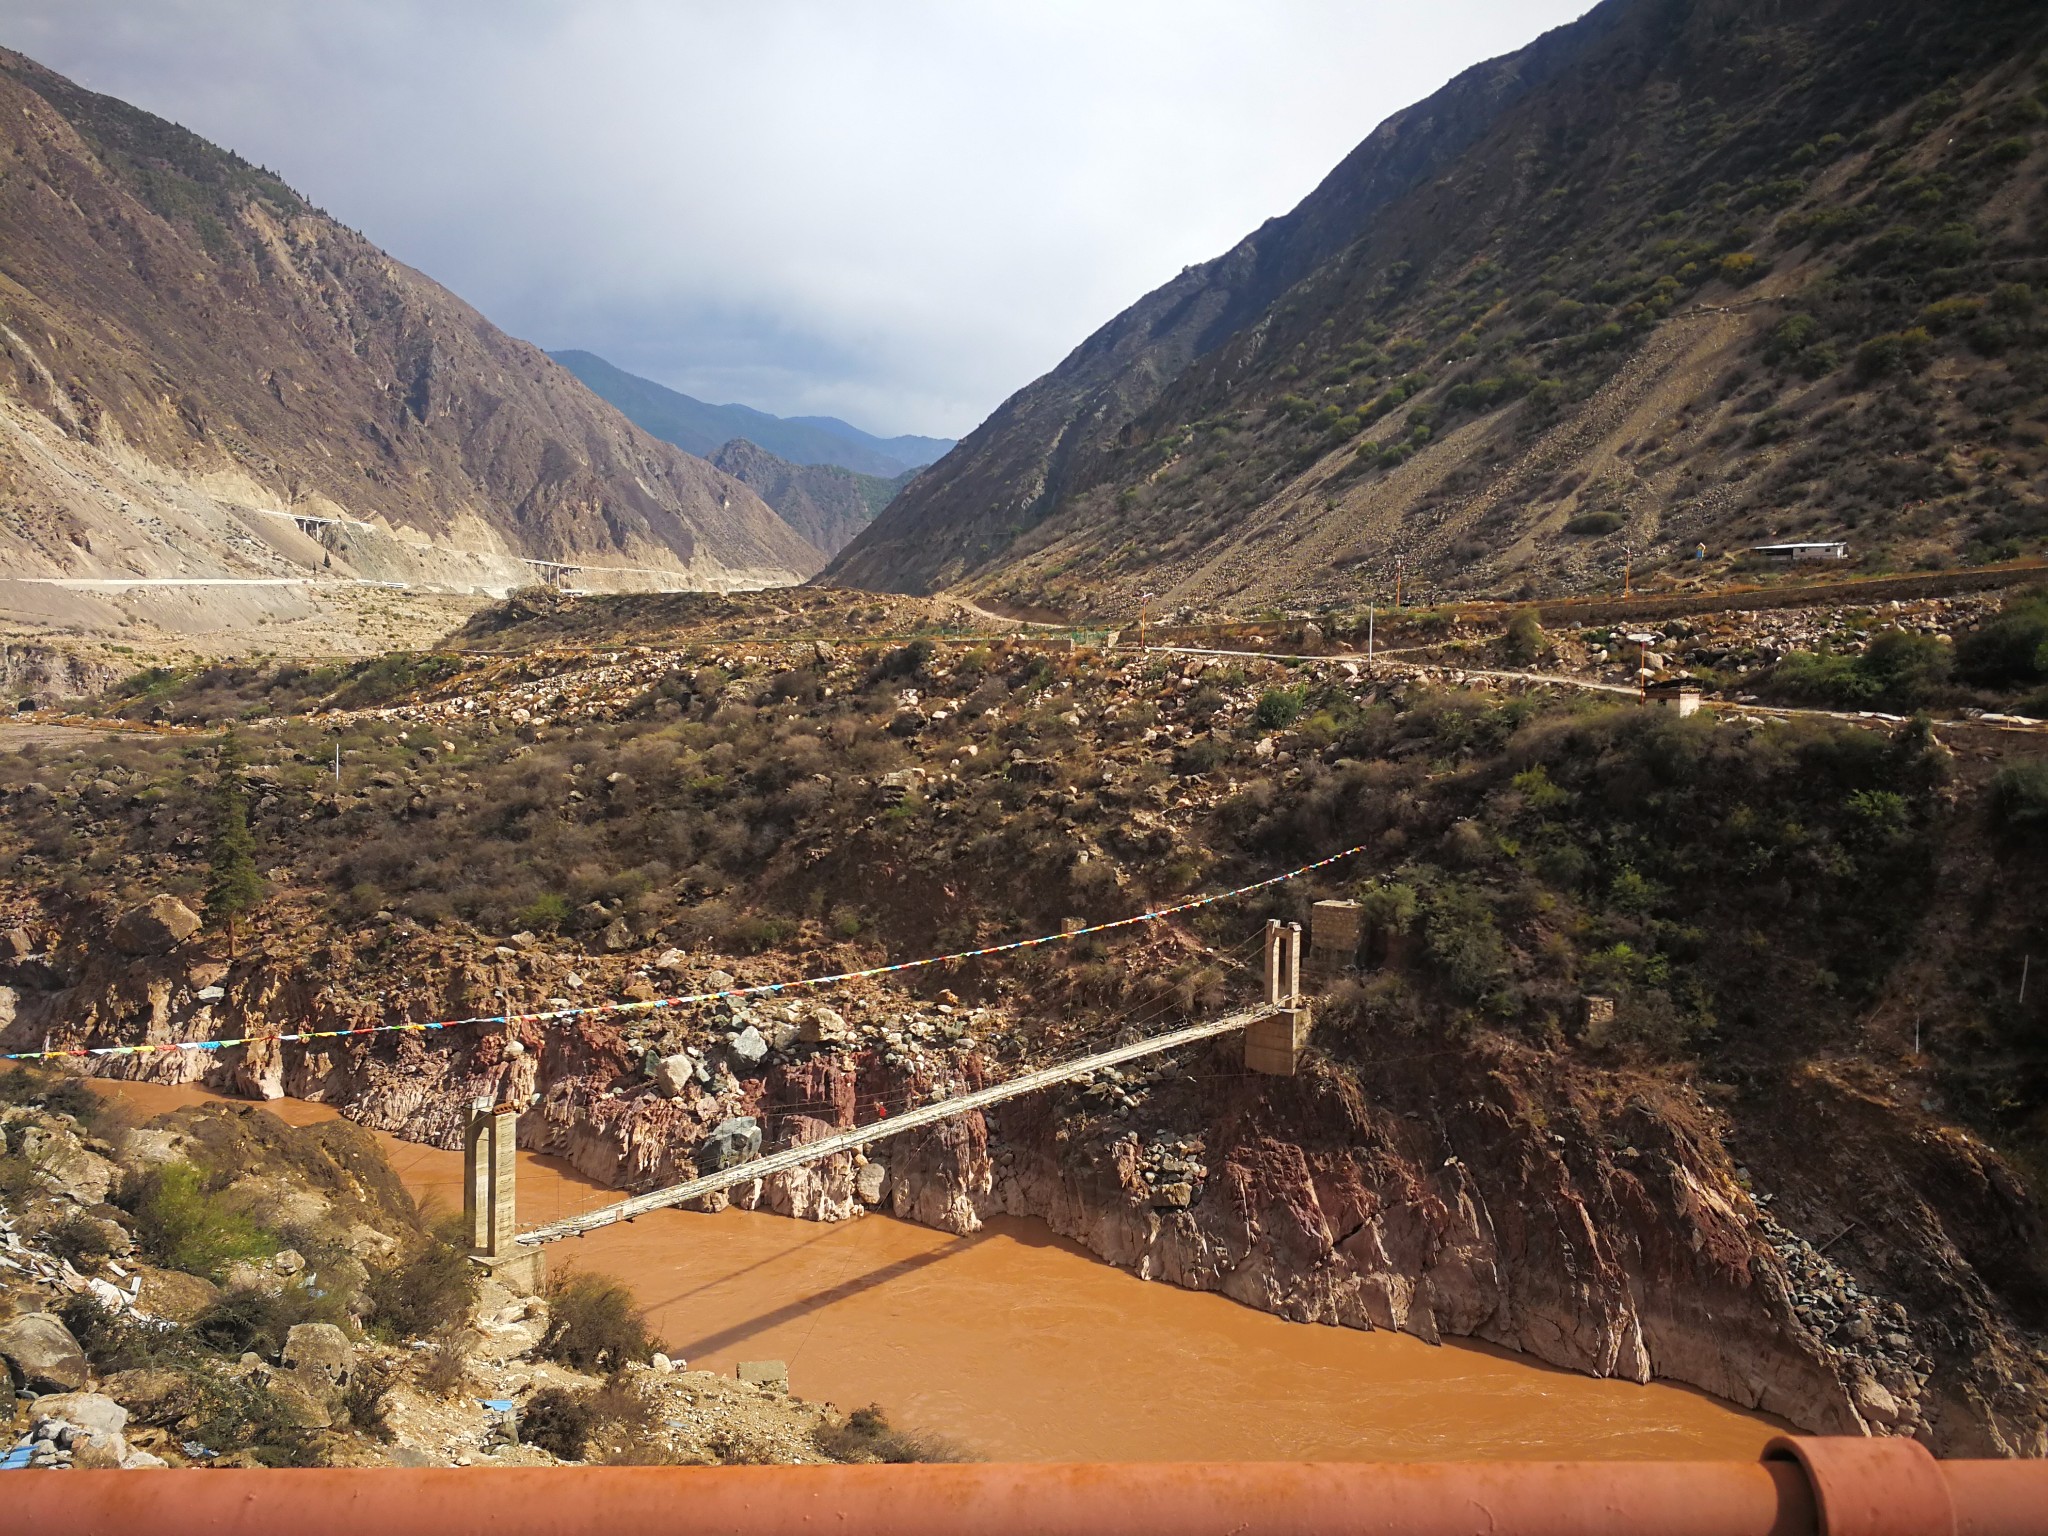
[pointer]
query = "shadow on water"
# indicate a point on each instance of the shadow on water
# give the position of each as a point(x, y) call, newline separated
point(802, 1306)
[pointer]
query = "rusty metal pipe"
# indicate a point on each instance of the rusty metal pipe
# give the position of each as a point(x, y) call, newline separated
point(1807, 1486)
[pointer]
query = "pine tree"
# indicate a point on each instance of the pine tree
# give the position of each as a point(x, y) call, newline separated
point(233, 886)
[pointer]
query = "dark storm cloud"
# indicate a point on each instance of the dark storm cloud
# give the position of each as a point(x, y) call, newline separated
point(897, 212)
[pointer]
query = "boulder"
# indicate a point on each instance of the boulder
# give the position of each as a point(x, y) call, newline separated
point(97, 1422)
point(731, 1141)
point(158, 925)
point(41, 1353)
point(750, 1046)
point(824, 1026)
point(871, 1183)
point(174, 1296)
point(65, 1166)
point(15, 945)
point(672, 1075)
point(153, 1395)
point(319, 1354)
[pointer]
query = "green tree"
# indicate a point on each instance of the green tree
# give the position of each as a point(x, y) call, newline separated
point(232, 886)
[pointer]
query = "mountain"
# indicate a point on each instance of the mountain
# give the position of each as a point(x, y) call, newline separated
point(702, 429)
point(915, 452)
point(1682, 272)
point(826, 504)
point(192, 357)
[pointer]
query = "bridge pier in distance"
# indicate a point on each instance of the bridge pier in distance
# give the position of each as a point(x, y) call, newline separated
point(490, 1172)
point(1273, 1045)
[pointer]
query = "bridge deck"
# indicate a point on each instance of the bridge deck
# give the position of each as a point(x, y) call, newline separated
point(895, 1125)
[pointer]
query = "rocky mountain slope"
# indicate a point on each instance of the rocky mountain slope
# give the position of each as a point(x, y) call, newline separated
point(826, 504)
point(698, 428)
point(192, 357)
point(1713, 272)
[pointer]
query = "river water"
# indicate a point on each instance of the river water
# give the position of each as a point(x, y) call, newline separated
point(1023, 1347)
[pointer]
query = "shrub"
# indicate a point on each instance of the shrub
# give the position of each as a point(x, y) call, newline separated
point(1894, 352)
point(594, 1324)
point(447, 1364)
point(1464, 941)
point(1524, 637)
point(2011, 651)
point(1900, 669)
point(2019, 799)
point(1739, 267)
point(79, 1239)
point(559, 1421)
point(867, 1435)
point(1593, 524)
point(1279, 707)
point(430, 1288)
point(182, 1225)
point(1392, 906)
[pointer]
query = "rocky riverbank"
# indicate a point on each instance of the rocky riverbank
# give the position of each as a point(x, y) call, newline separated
point(1594, 1222)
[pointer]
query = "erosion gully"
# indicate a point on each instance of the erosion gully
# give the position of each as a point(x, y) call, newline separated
point(1024, 1347)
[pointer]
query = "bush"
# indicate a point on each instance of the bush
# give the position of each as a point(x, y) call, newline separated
point(1279, 707)
point(1524, 637)
point(79, 1239)
point(182, 1225)
point(1900, 669)
point(1894, 352)
point(2009, 652)
point(2019, 799)
point(1464, 942)
point(868, 1436)
point(430, 1288)
point(1392, 906)
point(1588, 525)
point(594, 1324)
point(559, 1421)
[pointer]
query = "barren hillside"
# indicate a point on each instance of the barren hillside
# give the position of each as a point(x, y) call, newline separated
point(189, 351)
point(1711, 273)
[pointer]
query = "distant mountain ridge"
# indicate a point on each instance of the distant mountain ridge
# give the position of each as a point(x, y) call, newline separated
point(702, 429)
point(203, 376)
point(826, 504)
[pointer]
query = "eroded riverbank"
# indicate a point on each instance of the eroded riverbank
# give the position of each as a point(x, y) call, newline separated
point(1024, 1347)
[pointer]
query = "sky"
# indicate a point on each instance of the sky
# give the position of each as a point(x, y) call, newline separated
point(893, 211)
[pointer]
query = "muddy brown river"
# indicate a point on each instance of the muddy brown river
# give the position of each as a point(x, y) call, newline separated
point(1022, 1346)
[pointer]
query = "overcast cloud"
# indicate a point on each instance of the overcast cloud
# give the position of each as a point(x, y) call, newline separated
point(896, 211)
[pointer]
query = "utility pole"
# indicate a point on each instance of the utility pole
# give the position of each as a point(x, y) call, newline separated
point(1143, 599)
point(1398, 562)
point(1628, 562)
point(337, 765)
point(1368, 634)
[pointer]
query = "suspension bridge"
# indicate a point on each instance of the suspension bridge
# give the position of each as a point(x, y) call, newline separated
point(1275, 1031)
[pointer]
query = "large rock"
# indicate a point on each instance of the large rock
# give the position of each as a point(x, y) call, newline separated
point(320, 1355)
point(731, 1141)
point(40, 1352)
point(174, 1296)
point(750, 1046)
point(160, 924)
point(672, 1075)
point(97, 1422)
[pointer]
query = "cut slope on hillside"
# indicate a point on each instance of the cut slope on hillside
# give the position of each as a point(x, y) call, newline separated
point(826, 504)
point(192, 358)
point(1712, 274)
point(702, 429)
